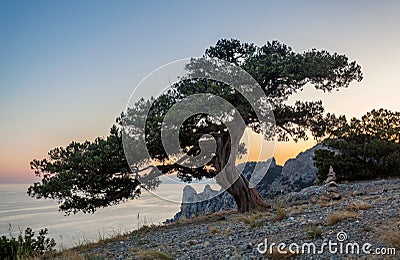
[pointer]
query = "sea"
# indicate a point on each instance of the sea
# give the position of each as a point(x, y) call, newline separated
point(19, 211)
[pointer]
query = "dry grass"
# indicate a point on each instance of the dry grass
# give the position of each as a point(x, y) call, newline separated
point(68, 254)
point(390, 235)
point(298, 209)
point(358, 205)
point(82, 247)
point(149, 254)
point(262, 215)
point(339, 216)
point(280, 211)
point(252, 220)
point(147, 228)
point(87, 245)
point(280, 214)
point(213, 230)
point(325, 203)
point(211, 217)
point(367, 228)
point(381, 199)
point(371, 197)
point(314, 232)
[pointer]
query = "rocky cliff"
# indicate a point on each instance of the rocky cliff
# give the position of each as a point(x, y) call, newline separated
point(296, 174)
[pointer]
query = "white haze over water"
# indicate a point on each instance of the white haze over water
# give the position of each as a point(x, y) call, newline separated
point(22, 211)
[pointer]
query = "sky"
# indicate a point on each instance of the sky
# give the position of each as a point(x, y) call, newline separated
point(67, 68)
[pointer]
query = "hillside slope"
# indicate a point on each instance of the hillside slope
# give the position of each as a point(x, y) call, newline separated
point(369, 212)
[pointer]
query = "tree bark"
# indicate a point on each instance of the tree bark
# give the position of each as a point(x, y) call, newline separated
point(247, 198)
point(232, 180)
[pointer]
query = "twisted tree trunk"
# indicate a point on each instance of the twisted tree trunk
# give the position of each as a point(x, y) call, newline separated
point(247, 198)
point(232, 180)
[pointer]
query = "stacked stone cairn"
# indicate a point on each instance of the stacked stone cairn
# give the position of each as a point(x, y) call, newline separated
point(332, 188)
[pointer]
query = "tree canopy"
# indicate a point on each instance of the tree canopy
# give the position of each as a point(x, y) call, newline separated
point(366, 148)
point(85, 176)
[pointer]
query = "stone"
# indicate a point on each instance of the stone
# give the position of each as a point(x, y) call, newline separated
point(331, 187)
point(335, 196)
point(249, 246)
point(357, 193)
point(331, 175)
point(189, 194)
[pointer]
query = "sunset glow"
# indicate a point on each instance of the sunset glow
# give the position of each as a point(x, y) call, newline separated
point(66, 72)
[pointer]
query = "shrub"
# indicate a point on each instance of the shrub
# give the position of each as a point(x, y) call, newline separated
point(26, 245)
point(280, 212)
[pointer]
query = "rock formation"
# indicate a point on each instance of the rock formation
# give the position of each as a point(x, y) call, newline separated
point(296, 175)
point(212, 200)
point(204, 202)
point(331, 187)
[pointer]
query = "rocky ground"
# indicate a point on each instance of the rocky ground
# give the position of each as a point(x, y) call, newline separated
point(369, 212)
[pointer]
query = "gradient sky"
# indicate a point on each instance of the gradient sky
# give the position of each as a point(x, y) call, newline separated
point(67, 68)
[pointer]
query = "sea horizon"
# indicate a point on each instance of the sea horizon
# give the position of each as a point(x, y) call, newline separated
point(19, 211)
